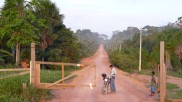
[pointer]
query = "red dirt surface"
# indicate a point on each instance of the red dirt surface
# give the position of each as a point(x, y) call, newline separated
point(128, 89)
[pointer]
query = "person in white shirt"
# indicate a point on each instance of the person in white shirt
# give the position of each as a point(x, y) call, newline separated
point(113, 74)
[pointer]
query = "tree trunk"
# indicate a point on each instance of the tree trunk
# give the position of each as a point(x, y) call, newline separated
point(13, 51)
point(17, 54)
point(168, 60)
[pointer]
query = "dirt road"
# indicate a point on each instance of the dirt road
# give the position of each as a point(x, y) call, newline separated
point(128, 89)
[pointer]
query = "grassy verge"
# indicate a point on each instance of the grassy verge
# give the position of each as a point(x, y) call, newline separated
point(177, 94)
point(145, 72)
point(11, 88)
point(51, 75)
point(8, 73)
point(170, 73)
point(173, 91)
point(171, 87)
point(175, 73)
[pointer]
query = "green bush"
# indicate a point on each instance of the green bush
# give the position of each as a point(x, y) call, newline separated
point(123, 60)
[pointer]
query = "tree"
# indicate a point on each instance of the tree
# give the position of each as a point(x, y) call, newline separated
point(55, 38)
point(49, 19)
point(17, 24)
point(70, 48)
point(171, 36)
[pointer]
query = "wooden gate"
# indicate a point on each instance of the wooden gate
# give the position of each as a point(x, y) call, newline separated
point(35, 73)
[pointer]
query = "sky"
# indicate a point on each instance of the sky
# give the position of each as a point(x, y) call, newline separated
point(106, 16)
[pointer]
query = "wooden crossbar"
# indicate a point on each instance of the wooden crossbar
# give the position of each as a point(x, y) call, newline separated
point(74, 85)
point(18, 74)
point(60, 85)
point(59, 63)
point(68, 76)
point(14, 69)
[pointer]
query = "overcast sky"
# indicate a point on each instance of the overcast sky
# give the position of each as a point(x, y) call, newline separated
point(106, 16)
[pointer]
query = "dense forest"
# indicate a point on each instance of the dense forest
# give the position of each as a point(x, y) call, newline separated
point(40, 21)
point(123, 47)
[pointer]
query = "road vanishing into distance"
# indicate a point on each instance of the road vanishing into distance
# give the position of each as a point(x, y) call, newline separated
point(128, 89)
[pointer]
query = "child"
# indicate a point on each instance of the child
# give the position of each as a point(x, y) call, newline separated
point(153, 82)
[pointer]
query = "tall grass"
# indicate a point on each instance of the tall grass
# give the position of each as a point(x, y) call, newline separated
point(11, 88)
point(53, 75)
point(2, 74)
point(173, 91)
point(177, 73)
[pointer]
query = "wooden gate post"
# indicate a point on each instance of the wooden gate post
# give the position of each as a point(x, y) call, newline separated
point(32, 68)
point(63, 71)
point(165, 79)
point(37, 74)
point(162, 73)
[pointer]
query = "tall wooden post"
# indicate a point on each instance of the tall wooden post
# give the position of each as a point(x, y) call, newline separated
point(62, 72)
point(30, 71)
point(37, 80)
point(165, 79)
point(32, 68)
point(162, 73)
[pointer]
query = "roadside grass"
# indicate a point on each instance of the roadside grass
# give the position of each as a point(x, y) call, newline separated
point(169, 72)
point(175, 73)
point(144, 72)
point(177, 94)
point(8, 73)
point(49, 76)
point(52, 75)
point(11, 88)
point(173, 91)
point(171, 87)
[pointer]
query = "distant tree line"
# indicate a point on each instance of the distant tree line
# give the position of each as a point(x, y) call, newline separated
point(124, 52)
point(90, 41)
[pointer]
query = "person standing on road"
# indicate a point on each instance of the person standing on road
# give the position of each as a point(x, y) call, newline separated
point(113, 74)
point(153, 82)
